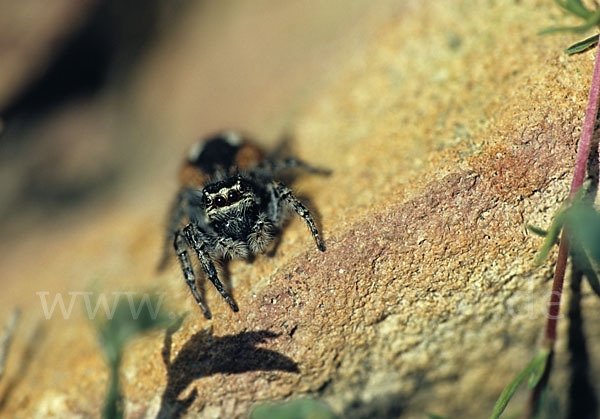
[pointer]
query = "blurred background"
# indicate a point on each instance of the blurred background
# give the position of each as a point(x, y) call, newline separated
point(100, 99)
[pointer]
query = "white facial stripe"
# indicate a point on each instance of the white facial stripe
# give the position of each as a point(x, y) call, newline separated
point(223, 191)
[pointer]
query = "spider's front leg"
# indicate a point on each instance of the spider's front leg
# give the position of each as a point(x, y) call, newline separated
point(194, 240)
point(188, 271)
point(288, 197)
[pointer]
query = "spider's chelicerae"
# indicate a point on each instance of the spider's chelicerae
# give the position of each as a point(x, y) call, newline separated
point(230, 206)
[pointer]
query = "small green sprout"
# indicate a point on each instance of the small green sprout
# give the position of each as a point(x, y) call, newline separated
point(131, 317)
point(294, 409)
point(532, 372)
point(583, 223)
point(591, 19)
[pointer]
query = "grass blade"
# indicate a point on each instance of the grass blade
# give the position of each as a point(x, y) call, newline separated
point(590, 22)
point(294, 409)
point(551, 235)
point(582, 45)
point(575, 7)
point(536, 230)
point(583, 263)
point(534, 371)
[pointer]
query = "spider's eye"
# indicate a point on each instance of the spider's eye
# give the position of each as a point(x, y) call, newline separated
point(207, 201)
point(233, 196)
point(220, 201)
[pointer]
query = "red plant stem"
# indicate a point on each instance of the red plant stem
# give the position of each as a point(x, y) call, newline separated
point(557, 287)
point(583, 153)
point(578, 176)
point(588, 129)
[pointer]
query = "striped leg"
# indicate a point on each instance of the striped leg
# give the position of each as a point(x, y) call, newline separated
point(188, 271)
point(287, 196)
point(193, 238)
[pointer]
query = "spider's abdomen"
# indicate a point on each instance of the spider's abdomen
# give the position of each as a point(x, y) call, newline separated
point(224, 153)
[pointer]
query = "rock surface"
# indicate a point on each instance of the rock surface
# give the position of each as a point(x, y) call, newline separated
point(455, 127)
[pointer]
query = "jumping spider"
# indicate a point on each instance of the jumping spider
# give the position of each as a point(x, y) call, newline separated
point(230, 206)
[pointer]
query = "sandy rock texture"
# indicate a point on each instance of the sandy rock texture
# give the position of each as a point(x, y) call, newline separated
point(448, 131)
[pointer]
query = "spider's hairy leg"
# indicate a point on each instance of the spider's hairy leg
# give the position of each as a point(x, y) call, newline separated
point(194, 240)
point(188, 271)
point(287, 196)
point(272, 166)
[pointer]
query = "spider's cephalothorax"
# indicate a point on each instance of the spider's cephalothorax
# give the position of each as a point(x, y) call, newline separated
point(230, 206)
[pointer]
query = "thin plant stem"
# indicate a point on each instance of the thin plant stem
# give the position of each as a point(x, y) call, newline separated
point(591, 113)
point(578, 176)
point(113, 408)
point(557, 288)
point(583, 153)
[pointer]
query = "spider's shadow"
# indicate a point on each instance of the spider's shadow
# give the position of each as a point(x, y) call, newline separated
point(204, 355)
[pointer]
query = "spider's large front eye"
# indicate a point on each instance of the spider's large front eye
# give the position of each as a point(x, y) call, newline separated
point(233, 196)
point(207, 201)
point(220, 201)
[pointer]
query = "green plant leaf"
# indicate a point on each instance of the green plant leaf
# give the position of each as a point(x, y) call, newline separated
point(536, 230)
point(557, 224)
point(590, 22)
point(593, 281)
point(582, 45)
point(539, 367)
point(583, 263)
point(584, 228)
point(113, 400)
point(132, 315)
point(534, 370)
point(551, 235)
point(575, 7)
point(294, 409)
